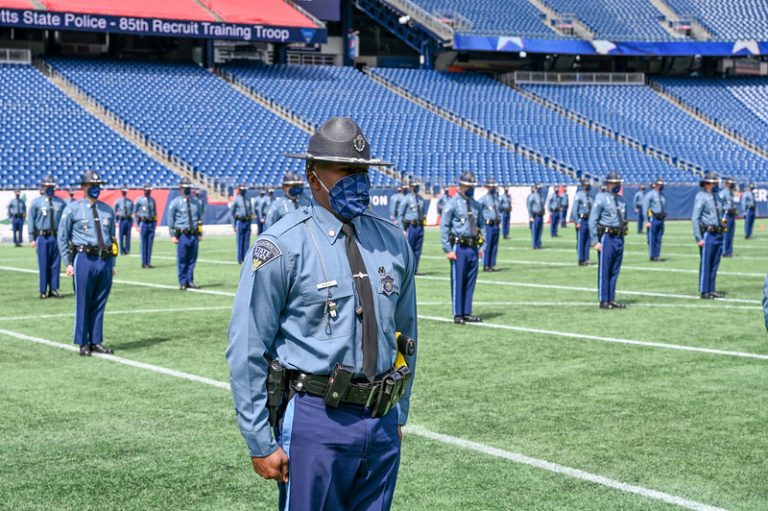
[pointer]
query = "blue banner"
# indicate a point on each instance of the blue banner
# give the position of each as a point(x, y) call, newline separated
point(47, 20)
point(326, 10)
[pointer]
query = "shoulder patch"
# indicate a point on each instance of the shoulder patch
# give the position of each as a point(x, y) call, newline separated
point(264, 251)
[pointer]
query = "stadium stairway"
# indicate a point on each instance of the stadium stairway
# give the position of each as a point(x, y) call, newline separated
point(708, 121)
point(580, 30)
point(606, 131)
point(510, 145)
point(156, 152)
point(698, 32)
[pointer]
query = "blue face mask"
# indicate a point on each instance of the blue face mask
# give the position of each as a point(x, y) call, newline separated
point(469, 192)
point(492, 191)
point(295, 191)
point(94, 192)
point(616, 189)
point(186, 191)
point(588, 188)
point(350, 196)
point(715, 188)
point(49, 191)
point(416, 189)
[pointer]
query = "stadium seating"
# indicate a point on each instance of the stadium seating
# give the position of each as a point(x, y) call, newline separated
point(167, 9)
point(641, 113)
point(729, 20)
point(502, 110)
point(42, 132)
point(740, 104)
point(418, 141)
point(617, 20)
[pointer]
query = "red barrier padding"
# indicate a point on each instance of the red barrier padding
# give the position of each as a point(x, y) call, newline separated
point(16, 4)
point(164, 9)
point(263, 12)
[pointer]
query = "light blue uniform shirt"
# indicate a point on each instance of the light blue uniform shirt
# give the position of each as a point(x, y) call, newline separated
point(124, 207)
point(535, 204)
point(411, 208)
point(491, 205)
point(79, 227)
point(564, 202)
point(605, 212)
point(748, 199)
point(39, 218)
point(16, 207)
point(505, 203)
point(282, 206)
point(455, 220)
point(202, 204)
point(582, 205)
point(177, 213)
point(282, 308)
point(638, 200)
point(707, 211)
point(259, 205)
point(146, 209)
point(441, 202)
point(726, 199)
point(241, 207)
point(656, 202)
point(553, 203)
point(394, 205)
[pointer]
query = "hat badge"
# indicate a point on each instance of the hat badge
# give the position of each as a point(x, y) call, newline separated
point(359, 143)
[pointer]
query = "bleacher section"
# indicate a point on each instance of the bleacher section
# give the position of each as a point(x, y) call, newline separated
point(195, 115)
point(616, 20)
point(42, 132)
point(502, 110)
point(739, 104)
point(641, 113)
point(729, 20)
point(418, 141)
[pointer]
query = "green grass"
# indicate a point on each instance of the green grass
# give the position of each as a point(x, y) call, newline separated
point(80, 434)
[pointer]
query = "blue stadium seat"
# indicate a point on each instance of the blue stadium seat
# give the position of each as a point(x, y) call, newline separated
point(727, 20)
point(616, 20)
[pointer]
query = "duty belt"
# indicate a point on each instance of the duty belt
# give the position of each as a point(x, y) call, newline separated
point(464, 241)
point(47, 232)
point(147, 220)
point(17, 216)
point(186, 231)
point(243, 218)
point(714, 229)
point(731, 212)
point(612, 231)
point(584, 216)
point(93, 251)
point(659, 216)
point(534, 215)
point(413, 223)
point(554, 210)
point(750, 208)
point(492, 222)
point(125, 218)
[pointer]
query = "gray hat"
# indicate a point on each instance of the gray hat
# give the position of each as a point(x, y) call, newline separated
point(339, 140)
point(536, 186)
point(659, 182)
point(292, 179)
point(613, 177)
point(91, 177)
point(243, 186)
point(185, 182)
point(585, 181)
point(414, 181)
point(47, 181)
point(467, 179)
point(147, 186)
point(490, 183)
point(752, 186)
point(710, 178)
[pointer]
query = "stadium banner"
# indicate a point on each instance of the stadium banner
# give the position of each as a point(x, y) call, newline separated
point(48, 20)
point(325, 10)
point(468, 42)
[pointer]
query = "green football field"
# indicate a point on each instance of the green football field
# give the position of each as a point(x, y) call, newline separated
point(549, 404)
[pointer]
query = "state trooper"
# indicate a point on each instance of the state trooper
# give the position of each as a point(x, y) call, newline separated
point(463, 245)
point(535, 215)
point(553, 205)
point(505, 203)
point(563, 206)
point(608, 227)
point(146, 217)
point(708, 228)
point(319, 384)
point(259, 211)
point(491, 204)
point(728, 204)
point(184, 226)
point(394, 203)
point(444, 198)
point(582, 206)
point(242, 215)
point(124, 209)
point(202, 199)
point(655, 207)
point(748, 205)
point(412, 216)
point(641, 211)
point(293, 199)
point(71, 196)
point(17, 212)
point(43, 224)
point(89, 249)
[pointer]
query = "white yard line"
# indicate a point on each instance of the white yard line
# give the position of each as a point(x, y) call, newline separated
point(120, 312)
point(594, 305)
point(418, 431)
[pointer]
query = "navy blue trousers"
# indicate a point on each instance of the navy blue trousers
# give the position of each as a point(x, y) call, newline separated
point(125, 236)
point(416, 241)
point(17, 224)
point(710, 261)
point(338, 458)
point(749, 223)
point(537, 227)
point(554, 223)
point(48, 263)
point(260, 225)
point(583, 240)
point(186, 256)
point(147, 240)
point(506, 218)
point(564, 218)
point(728, 236)
point(611, 254)
point(640, 221)
point(243, 230)
point(492, 246)
point(656, 233)
point(93, 282)
point(463, 279)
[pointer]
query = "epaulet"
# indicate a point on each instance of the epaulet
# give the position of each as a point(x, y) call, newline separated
point(370, 214)
point(290, 221)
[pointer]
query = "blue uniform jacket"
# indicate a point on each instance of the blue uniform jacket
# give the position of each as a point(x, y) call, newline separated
point(455, 220)
point(564, 201)
point(17, 207)
point(177, 213)
point(298, 267)
point(39, 218)
point(241, 207)
point(553, 202)
point(146, 209)
point(394, 205)
point(282, 206)
point(606, 213)
point(441, 203)
point(411, 208)
point(535, 204)
point(726, 199)
point(79, 228)
point(639, 199)
point(655, 202)
point(748, 200)
point(706, 211)
point(582, 205)
point(124, 207)
point(491, 205)
point(505, 203)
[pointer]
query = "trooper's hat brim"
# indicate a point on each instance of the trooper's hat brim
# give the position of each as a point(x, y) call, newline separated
point(93, 182)
point(360, 162)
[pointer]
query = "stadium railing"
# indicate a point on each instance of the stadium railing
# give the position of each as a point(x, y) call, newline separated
point(15, 56)
point(574, 78)
point(424, 18)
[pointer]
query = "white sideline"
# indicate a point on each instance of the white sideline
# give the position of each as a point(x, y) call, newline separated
point(119, 312)
point(612, 340)
point(594, 305)
point(418, 431)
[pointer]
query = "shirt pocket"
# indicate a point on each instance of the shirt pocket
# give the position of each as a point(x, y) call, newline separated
point(317, 322)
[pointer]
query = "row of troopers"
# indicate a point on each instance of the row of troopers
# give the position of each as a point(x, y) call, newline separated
point(144, 213)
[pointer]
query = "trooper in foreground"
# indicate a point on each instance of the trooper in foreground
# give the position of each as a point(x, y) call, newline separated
point(655, 208)
point(582, 206)
point(708, 229)
point(43, 223)
point(321, 384)
point(608, 227)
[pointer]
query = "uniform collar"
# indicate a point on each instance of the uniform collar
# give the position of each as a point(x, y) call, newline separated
point(329, 225)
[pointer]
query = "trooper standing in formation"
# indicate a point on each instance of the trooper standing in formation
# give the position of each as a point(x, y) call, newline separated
point(553, 205)
point(655, 207)
point(463, 245)
point(124, 210)
point(312, 350)
point(17, 212)
point(563, 206)
point(70, 196)
point(748, 206)
point(292, 199)
point(728, 204)
point(708, 228)
point(184, 217)
point(582, 206)
point(608, 227)
point(43, 224)
point(259, 210)
point(639, 209)
point(89, 249)
point(394, 203)
point(505, 203)
point(242, 215)
point(146, 218)
point(535, 215)
point(491, 205)
point(443, 200)
point(411, 215)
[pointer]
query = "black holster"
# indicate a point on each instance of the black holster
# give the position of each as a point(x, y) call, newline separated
point(277, 389)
